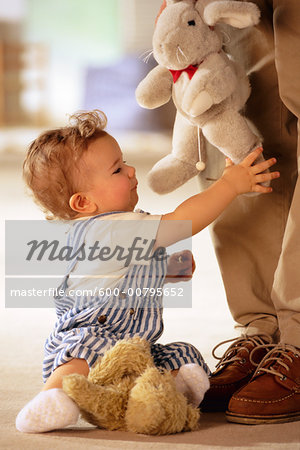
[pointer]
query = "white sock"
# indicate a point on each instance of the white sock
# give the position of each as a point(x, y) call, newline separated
point(49, 410)
point(192, 381)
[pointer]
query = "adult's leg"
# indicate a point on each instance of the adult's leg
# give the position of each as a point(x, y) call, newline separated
point(273, 395)
point(286, 290)
point(248, 236)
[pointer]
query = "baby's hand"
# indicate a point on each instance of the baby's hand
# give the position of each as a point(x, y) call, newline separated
point(181, 266)
point(246, 176)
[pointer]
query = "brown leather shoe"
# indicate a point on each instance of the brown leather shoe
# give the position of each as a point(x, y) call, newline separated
point(273, 395)
point(233, 371)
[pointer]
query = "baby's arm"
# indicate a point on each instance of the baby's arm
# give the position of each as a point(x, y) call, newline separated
point(203, 208)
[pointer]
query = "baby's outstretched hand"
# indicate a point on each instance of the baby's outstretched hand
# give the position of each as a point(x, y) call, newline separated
point(181, 266)
point(247, 176)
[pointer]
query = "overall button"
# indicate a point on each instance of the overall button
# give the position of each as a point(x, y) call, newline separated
point(102, 319)
point(131, 311)
point(122, 295)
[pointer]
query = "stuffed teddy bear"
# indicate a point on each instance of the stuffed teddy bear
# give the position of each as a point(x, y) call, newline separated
point(208, 88)
point(126, 391)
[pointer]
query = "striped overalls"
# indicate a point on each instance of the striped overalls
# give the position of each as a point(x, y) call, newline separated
point(88, 326)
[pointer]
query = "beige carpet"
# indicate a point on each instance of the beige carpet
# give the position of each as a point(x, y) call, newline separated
point(21, 380)
point(214, 431)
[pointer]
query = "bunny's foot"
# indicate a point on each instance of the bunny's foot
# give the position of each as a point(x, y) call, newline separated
point(170, 173)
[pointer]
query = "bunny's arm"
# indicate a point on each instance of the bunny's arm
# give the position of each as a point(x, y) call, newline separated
point(156, 89)
point(214, 81)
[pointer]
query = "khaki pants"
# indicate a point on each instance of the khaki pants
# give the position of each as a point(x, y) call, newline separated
point(257, 239)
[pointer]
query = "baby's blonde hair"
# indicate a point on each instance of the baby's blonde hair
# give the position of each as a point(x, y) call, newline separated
point(50, 165)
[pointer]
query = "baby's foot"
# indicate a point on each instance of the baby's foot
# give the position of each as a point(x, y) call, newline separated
point(192, 381)
point(49, 410)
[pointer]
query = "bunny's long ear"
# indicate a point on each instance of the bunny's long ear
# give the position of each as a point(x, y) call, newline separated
point(236, 14)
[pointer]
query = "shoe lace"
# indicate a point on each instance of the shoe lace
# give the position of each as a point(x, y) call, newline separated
point(231, 354)
point(273, 360)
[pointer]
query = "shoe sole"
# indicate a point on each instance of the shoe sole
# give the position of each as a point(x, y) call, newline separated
point(256, 420)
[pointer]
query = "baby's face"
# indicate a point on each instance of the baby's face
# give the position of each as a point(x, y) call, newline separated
point(112, 184)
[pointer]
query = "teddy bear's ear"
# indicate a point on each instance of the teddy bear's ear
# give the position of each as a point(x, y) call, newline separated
point(236, 14)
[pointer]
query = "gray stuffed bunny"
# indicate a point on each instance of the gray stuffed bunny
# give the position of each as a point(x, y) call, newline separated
point(208, 88)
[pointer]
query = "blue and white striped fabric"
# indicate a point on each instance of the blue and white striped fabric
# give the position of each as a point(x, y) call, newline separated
point(88, 326)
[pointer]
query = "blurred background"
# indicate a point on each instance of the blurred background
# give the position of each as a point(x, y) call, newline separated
point(60, 56)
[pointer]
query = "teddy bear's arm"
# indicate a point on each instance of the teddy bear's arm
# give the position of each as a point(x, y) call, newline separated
point(156, 89)
point(214, 81)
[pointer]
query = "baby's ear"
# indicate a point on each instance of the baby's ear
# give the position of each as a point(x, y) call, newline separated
point(80, 203)
point(236, 14)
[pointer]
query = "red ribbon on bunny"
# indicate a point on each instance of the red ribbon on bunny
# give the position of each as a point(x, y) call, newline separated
point(190, 70)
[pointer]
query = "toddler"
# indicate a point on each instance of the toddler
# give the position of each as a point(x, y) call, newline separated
point(77, 174)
